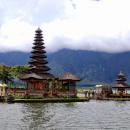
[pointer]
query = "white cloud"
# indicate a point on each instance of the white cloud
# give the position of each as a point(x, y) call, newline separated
point(16, 35)
point(101, 26)
point(89, 25)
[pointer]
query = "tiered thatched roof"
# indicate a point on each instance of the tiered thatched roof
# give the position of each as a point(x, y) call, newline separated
point(121, 81)
point(69, 76)
point(38, 68)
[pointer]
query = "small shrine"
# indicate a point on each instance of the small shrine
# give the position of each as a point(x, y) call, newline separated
point(38, 77)
point(3, 90)
point(68, 84)
point(121, 86)
point(103, 91)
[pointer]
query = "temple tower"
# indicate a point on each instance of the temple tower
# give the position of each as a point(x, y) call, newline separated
point(38, 77)
point(121, 78)
point(121, 85)
point(38, 63)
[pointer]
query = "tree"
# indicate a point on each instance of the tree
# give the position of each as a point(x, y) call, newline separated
point(8, 74)
point(17, 70)
point(5, 74)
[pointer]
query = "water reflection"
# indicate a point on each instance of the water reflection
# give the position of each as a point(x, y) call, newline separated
point(121, 104)
point(93, 115)
point(36, 115)
point(70, 105)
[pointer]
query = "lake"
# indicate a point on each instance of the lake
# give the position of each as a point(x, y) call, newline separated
point(93, 115)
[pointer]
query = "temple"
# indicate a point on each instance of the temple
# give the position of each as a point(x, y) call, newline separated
point(121, 86)
point(38, 78)
point(68, 83)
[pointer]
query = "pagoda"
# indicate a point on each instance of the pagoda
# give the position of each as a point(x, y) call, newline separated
point(38, 77)
point(121, 85)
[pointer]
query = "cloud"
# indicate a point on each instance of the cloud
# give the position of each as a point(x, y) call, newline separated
point(16, 35)
point(92, 25)
point(19, 21)
point(100, 26)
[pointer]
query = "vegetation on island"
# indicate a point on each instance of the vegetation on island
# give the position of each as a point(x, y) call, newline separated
point(52, 100)
point(9, 73)
point(5, 74)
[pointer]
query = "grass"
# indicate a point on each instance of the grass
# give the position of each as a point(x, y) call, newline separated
point(51, 100)
point(116, 99)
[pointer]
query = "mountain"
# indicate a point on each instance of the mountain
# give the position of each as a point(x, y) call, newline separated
point(92, 67)
point(14, 58)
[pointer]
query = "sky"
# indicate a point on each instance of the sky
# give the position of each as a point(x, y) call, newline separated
point(97, 25)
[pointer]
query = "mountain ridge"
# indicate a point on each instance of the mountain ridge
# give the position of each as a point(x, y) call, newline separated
point(91, 66)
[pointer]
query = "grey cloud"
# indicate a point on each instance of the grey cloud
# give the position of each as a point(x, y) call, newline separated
point(109, 45)
point(44, 12)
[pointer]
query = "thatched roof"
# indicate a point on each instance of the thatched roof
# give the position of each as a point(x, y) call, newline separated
point(3, 85)
point(121, 73)
point(121, 77)
point(36, 76)
point(120, 85)
point(69, 76)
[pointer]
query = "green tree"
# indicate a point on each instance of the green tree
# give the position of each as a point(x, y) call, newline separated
point(8, 74)
point(5, 74)
point(17, 70)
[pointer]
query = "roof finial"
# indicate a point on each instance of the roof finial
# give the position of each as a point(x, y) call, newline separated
point(38, 30)
point(121, 73)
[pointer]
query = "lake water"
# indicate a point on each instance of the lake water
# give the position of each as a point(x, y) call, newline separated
point(93, 115)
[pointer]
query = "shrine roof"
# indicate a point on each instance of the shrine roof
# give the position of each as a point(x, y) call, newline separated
point(69, 76)
point(36, 76)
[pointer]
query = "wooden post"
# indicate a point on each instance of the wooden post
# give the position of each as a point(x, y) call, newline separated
point(69, 88)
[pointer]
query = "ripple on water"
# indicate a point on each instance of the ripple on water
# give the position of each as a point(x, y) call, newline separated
point(93, 115)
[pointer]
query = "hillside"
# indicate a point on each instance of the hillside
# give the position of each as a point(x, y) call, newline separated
point(92, 67)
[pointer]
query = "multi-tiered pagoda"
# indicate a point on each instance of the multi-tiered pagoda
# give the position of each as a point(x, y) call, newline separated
point(121, 86)
point(38, 78)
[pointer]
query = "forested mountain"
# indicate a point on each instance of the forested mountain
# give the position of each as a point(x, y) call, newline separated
point(92, 67)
